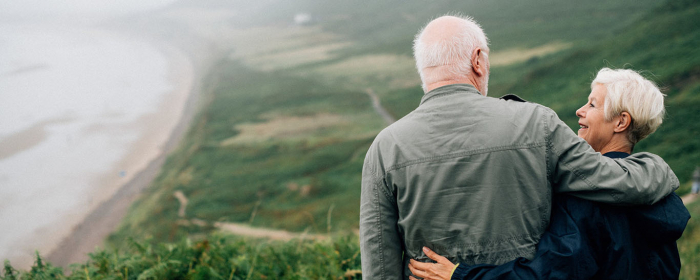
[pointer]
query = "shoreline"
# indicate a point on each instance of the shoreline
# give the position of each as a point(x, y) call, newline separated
point(190, 56)
point(105, 216)
point(107, 190)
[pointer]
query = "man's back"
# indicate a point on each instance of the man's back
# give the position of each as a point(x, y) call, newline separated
point(470, 176)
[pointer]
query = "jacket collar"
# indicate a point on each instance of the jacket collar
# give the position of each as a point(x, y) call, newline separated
point(449, 89)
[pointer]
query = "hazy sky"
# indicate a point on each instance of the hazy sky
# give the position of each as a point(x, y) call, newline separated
point(51, 9)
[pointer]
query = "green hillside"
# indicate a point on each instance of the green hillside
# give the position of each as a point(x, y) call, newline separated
point(281, 143)
point(282, 136)
point(664, 46)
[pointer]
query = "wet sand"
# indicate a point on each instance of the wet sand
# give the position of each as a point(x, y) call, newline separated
point(162, 129)
point(192, 43)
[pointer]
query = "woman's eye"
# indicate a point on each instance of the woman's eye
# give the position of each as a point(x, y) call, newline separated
point(592, 105)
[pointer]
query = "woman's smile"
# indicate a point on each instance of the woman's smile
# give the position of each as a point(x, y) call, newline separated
point(592, 124)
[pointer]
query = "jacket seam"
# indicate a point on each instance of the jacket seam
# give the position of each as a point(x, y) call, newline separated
point(465, 153)
point(381, 233)
point(382, 183)
point(377, 180)
point(549, 147)
point(544, 219)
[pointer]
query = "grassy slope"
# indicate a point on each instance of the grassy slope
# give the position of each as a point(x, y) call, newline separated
point(230, 183)
point(666, 46)
point(225, 183)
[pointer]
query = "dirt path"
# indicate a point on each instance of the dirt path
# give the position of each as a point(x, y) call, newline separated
point(388, 118)
point(688, 198)
point(242, 229)
point(274, 234)
point(183, 203)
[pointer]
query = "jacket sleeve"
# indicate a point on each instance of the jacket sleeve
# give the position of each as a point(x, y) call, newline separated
point(575, 168)
point(380, 244)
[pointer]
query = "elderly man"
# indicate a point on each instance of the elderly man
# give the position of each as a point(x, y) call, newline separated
point(471, 176)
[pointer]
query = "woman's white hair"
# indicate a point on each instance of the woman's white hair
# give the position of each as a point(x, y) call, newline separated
point(630, 92)
point(454, 52)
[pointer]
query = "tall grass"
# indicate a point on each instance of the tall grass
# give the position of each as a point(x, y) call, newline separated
point(217, 257)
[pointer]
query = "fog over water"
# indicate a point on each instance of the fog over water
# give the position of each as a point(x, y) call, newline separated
point(73, 100)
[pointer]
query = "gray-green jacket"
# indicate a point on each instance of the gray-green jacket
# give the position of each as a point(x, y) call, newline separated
point(472, 177)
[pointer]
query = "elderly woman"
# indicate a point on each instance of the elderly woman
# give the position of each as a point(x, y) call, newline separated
point(588, 240)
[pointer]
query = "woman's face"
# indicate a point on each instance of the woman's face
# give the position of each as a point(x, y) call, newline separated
point(594, 129)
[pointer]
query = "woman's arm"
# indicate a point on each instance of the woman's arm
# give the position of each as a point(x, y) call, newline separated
point(565, 250)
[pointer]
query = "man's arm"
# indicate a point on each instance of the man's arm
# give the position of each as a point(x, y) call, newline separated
point(575, 168)
point(381, 246)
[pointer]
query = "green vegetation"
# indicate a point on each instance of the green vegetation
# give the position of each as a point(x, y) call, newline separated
point(220, 257)
point(281, 139)
point(689, 245)
point(287, 150)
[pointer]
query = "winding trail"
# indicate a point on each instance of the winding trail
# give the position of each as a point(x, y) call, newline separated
point(246, 230)
point(183, 203)
point(388, 118)
point(240, 228)
point(274, 234)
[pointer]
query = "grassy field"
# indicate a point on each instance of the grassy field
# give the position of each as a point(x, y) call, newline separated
point(286, 123)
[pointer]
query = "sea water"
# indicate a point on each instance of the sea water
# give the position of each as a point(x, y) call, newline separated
point(71, 101)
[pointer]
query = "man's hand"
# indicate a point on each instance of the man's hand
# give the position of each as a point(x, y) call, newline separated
point(442, 270)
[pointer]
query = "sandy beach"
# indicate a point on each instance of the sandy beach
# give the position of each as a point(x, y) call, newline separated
point(190, 61)
point(190, 43)
point(163, 130)
point(79, 227)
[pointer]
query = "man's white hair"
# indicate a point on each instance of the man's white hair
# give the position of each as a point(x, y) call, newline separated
point(454, 52)
point(630, 92)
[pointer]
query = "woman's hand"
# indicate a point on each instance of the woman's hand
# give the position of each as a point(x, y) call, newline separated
point(442, 270)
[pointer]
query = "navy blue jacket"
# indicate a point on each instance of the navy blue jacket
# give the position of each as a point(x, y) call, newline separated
point(589, 240)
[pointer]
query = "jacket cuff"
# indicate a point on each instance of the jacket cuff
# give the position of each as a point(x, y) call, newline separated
point(458, 272)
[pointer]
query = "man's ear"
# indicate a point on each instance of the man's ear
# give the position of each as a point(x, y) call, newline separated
point(623, 122)
point(478, 62)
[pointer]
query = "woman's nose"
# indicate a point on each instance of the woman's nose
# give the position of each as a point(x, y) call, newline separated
point(580, 112)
